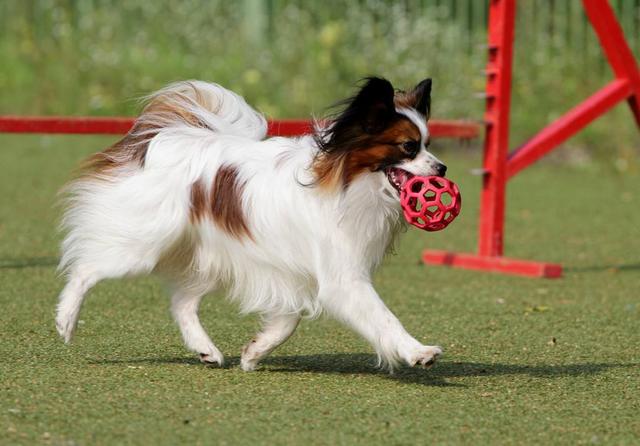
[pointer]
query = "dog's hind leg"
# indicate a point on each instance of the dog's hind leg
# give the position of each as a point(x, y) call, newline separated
point(275, 331)
point(70, 302)
point(184, 307)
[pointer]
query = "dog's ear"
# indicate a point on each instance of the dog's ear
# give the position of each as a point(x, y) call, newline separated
point(421, 94)
point(374, 104)
point(369, 112)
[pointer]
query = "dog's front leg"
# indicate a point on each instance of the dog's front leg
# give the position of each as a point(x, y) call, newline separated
point(356, 303)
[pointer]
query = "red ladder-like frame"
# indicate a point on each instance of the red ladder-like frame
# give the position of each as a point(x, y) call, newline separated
point(500, 165)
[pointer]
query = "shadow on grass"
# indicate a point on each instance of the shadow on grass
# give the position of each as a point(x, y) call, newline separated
point(28, 262)
point(364, 364)
point(598, 268)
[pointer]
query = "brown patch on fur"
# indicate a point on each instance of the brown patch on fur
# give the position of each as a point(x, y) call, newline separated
point(402, 130)
point(226, 202)
point(198, 202)
point(166, 108)
point(131, 149)
point(371, 159)
point(417, 98)
point(402, 99)
point(370, 153)
point(328, 169)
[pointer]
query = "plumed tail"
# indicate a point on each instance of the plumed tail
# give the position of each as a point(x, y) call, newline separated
point(187, 104)
point(203, 105)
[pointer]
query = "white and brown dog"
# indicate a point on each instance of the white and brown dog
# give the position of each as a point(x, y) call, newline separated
point(290, 226)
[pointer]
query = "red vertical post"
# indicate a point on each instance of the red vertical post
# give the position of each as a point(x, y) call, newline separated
point(496, 145)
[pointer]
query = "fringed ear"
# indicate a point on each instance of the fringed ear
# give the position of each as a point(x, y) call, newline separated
point(421, 94)
point(373, 105)
point(368, 112)
point(365, 115)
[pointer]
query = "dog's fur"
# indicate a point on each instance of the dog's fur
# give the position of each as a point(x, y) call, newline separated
point(290, 226)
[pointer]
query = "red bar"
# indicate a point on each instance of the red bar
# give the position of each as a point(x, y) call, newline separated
point(117, 125)
point(289, 127)
point(112, 125)
point(64, 124)
point(615, 47)
point(612, 39)
point(566, 126)
point(454, 129)
point(493, 264)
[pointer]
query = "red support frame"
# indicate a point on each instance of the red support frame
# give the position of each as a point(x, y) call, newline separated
point(500, 165)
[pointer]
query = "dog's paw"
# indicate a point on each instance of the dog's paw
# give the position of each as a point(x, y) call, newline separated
point(213, 358)
point(66, 327)
point(248, 365)
point(250, 357)
point(425, 356)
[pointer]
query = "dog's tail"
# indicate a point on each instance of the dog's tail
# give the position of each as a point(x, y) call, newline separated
point(191, 104)
point(203, 105)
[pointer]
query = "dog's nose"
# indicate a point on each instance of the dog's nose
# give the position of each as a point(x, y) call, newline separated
point(441, 170)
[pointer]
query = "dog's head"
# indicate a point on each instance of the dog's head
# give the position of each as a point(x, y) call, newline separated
point(380, 132)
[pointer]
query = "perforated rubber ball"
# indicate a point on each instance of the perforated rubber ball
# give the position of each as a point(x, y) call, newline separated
point(430, 203)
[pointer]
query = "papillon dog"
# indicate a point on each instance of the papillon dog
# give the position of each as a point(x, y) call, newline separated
point(290, 227)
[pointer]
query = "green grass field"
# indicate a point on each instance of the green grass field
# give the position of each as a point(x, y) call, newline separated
point(127, 379)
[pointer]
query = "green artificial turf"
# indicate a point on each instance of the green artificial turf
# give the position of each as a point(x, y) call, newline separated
point(526, 361)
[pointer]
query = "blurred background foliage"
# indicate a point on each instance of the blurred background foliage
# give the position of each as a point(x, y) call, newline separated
point(292, 58)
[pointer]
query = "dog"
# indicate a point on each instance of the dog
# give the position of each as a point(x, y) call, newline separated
point(291, 227)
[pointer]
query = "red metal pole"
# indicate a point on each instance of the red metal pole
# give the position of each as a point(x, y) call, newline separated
point(615, 47)
point(566, 126)
point(116, 126)
point(496, 146)
point(83, 125)
point(495, 264)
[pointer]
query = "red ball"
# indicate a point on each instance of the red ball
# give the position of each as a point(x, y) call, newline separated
point(430, 203)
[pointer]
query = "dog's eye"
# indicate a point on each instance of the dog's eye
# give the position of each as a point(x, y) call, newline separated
point(411, 147)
